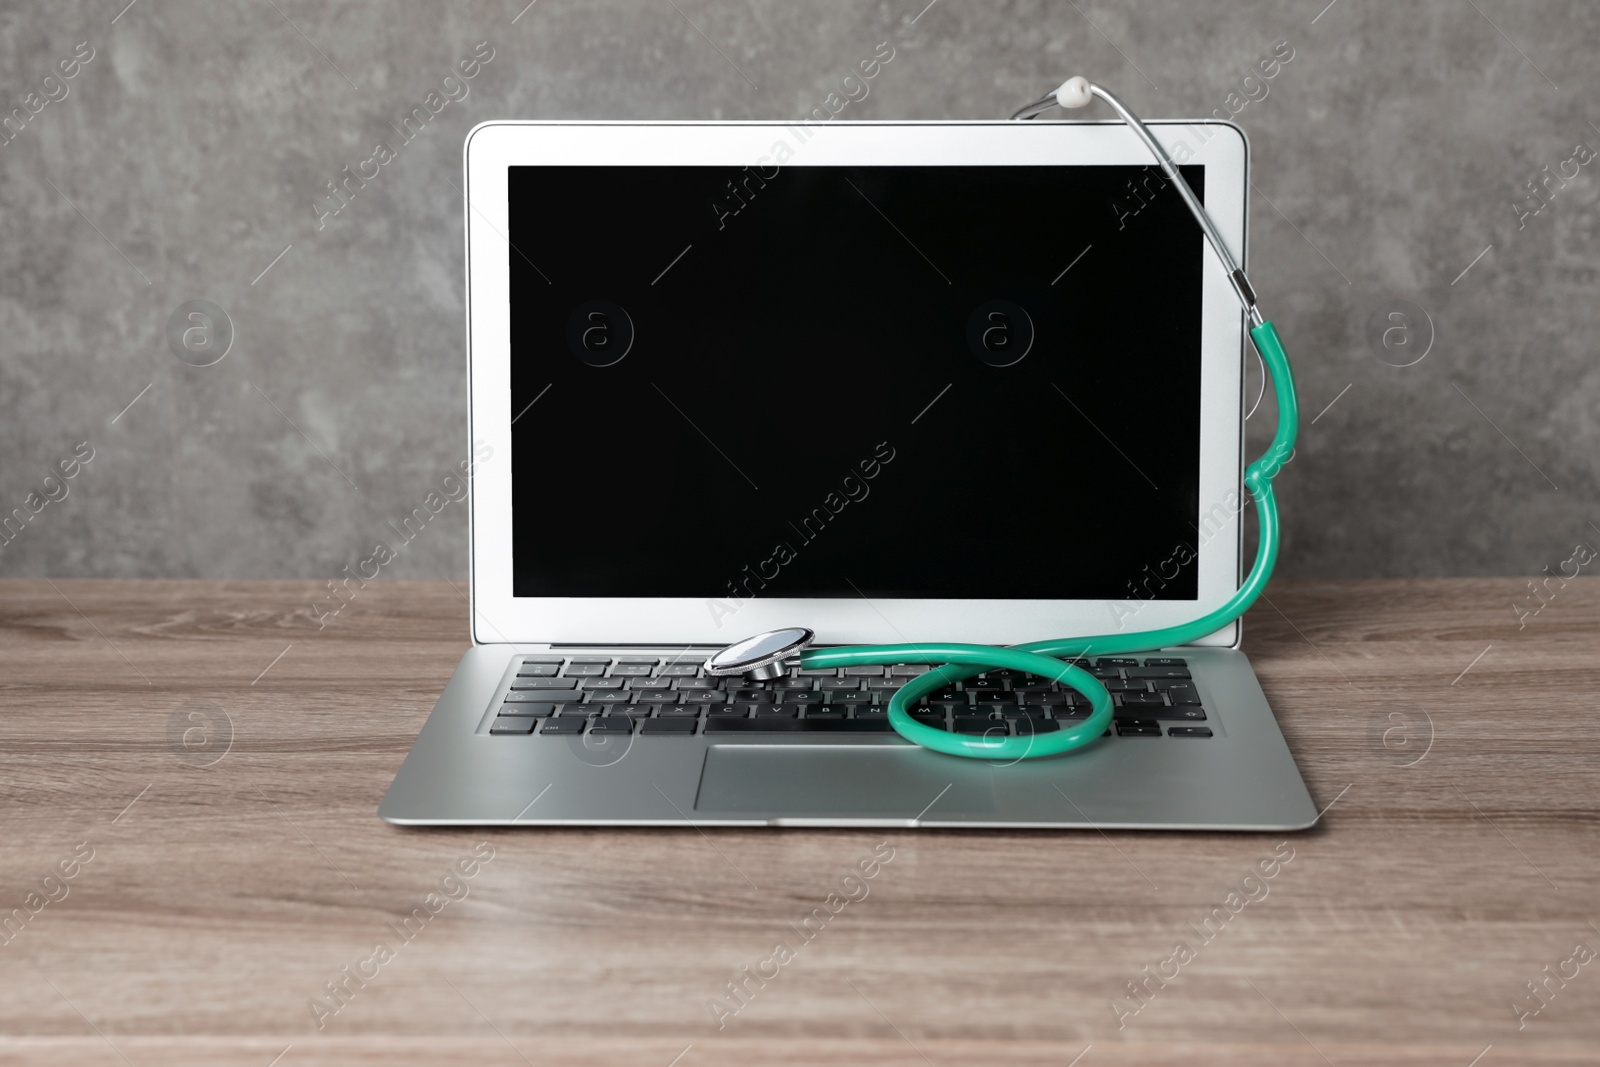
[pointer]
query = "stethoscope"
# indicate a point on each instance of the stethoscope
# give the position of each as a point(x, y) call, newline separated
point(765, 656)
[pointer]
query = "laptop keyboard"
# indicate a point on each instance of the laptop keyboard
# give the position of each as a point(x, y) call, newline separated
point(561, 695)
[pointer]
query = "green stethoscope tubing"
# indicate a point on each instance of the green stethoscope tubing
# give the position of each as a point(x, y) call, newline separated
point(1046, 658)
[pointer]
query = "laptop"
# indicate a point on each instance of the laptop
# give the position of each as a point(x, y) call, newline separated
point(893, 382)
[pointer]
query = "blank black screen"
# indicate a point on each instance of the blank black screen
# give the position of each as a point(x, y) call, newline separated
point(805, 383)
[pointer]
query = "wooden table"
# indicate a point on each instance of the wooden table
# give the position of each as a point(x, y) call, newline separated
point(230, 881)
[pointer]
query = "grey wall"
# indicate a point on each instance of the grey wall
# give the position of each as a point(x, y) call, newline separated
point(189, 150)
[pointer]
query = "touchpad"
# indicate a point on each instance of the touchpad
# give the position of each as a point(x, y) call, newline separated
point(862, 781)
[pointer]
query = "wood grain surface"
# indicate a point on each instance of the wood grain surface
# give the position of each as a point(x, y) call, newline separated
point(223, 758)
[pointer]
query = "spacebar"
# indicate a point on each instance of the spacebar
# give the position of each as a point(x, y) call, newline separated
point(719, 725)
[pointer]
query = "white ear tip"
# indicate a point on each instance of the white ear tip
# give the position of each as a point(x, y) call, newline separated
point(1074, 92)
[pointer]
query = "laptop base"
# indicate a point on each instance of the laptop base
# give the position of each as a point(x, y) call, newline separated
point(1241, 777)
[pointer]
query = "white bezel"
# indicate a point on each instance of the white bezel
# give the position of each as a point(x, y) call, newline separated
point(491, 147)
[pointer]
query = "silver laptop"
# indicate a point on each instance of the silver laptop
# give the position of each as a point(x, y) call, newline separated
point(894, 382)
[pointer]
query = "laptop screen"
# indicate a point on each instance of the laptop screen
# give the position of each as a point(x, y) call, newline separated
point(895, 382)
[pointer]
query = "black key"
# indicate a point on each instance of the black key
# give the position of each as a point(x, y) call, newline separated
point(1014, 712)
point(985, 698)
point(1034, 685)
point(1181, 713)
point(1006, 673)
point(928, 720)
point(512, 724)
point(726, 712)
point(575, 711)
point(681, 727)
point(1142, 700)
point(951, 693)
point(1188, 731)
point(989, 683)
point(965, 725)
point(829, 672)
point(1158, 672)
point(534, 711)
point(752, 696)
point(909, 670)
point(1113, 662)
point(635, 661)
point(805, 697)
point(705, 708)
point(1049, 699)
point(534, 696)
point(1136, 714)
point(954, 703)
point(679, 670)
point(739, 683)
point(539, 670)
point(543, 660)
point(875, 671)
point(1133, 685)
point(603, 683)
point(1138, 728)
point(1179, 692)
point(659, 696)
point(1072, 714)
point(544, 683)
point(849, 698)
point(1029, 727)
point(1105, 673)
point(825, 713)
point(843, 685)
point(790, 711)
point(885, 683)
point(649, 683)
point(563, 726)
point(697, 683)
point(797, 726)
point(604, 661)
point(612, 724)
point(657, 679)
point(632, 670)
point(575, 669)
point(610, 696)
point(683, 711)
point(1165, 661)
point(859, 711)
point(634, 711)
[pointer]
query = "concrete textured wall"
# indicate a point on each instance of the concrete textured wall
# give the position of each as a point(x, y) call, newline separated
point(1391, 159)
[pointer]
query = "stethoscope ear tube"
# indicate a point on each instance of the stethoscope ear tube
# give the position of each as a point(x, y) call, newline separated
point(1046, 658)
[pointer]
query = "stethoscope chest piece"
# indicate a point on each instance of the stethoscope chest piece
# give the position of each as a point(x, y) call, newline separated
point(761, 657)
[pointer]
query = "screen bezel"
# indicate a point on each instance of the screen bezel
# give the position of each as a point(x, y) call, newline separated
point(492, 147)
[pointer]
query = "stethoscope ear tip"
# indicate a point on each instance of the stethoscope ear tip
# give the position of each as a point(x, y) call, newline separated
point(1074, 92)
